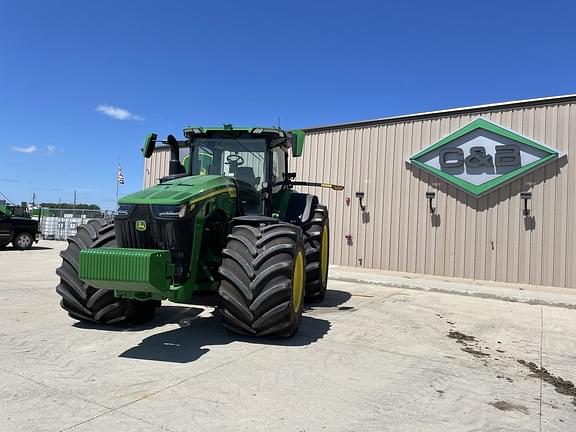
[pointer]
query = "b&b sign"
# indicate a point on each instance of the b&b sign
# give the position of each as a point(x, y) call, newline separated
point(482, 156)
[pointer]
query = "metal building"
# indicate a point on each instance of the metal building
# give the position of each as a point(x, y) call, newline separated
point(478, 168)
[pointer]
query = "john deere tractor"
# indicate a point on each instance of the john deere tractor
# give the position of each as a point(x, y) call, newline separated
point(226, 218)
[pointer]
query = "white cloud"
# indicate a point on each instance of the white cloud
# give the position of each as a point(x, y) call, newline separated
point(51, 149)
point(29, 149)
point(118, 113)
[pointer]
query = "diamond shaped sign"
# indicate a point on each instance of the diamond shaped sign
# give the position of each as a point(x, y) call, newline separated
point(482, 156)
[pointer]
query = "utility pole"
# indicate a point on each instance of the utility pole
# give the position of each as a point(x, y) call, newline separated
point(74, 198)
point(33, 199)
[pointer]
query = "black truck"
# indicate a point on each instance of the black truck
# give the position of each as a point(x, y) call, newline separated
point(22, 232)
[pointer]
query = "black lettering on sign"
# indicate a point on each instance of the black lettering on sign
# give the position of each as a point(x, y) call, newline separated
point(478, 158)
point(451, 158)
point(507, 156)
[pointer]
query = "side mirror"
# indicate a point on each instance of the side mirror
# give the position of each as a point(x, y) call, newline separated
point(149, 144)
point(297, 137)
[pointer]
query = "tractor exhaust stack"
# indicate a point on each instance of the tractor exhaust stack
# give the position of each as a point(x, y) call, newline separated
point(175, 166)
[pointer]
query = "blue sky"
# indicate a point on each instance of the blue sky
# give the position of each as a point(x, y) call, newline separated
point(82, 83)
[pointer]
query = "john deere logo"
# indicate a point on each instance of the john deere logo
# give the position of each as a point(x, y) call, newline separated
point(140, 225)
point(482, 156)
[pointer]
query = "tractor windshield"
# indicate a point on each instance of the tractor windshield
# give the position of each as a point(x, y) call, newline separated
point(242, 159)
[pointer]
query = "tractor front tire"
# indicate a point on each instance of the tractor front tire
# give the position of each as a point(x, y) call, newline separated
point(317, 238)
point(86, 303)
point(263, 276)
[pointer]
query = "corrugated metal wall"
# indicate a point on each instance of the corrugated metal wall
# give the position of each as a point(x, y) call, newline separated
point(484, 238)
point(156, 167)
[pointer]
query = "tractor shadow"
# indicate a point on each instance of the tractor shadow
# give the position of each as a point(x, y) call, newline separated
point(200, 330)
point(333, 299)
point(167, 314)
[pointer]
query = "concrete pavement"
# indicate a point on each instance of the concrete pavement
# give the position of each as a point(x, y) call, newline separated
point(369, 358)
point(529, 294)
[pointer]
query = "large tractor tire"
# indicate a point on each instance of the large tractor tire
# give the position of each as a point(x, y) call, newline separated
point(263, 275)
point(86, 303)
point(317, 238)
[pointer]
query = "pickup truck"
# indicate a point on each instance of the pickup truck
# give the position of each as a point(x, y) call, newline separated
point(22, 232)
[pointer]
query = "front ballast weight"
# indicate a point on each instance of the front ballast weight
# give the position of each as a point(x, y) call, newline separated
point(122, 269)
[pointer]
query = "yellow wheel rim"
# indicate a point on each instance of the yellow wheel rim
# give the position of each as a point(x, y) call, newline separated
point(298, 282)
point(324, 255)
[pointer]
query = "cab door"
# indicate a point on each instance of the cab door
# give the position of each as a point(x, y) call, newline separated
point(5, 228)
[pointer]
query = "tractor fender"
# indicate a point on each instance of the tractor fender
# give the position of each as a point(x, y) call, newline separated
point(301, 208)
point(254, 220)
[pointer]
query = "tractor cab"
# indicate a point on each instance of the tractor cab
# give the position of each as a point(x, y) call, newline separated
point(256, 159)
point(246, 160)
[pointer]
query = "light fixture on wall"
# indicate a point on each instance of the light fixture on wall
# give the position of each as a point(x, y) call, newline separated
point(430, 197)
point(360, 196)
point(526, 196)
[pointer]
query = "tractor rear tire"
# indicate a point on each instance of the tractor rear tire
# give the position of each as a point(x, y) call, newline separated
point(263, 275)
point(317, 238)
point(86, 303)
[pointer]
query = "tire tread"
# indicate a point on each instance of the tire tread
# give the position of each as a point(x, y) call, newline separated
point(258, 301)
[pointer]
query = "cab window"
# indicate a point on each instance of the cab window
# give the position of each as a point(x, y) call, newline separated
point(278, 167)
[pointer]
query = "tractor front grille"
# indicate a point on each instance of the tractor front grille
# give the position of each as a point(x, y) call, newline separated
point(175, 235)
point(153, 237)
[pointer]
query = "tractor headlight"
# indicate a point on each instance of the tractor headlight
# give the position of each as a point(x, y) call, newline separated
point(170, 211)
point(124, 210)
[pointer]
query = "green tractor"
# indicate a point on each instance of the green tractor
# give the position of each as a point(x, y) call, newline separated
point(226, 219)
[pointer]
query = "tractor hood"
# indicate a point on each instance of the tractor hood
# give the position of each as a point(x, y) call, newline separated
point(183, 190)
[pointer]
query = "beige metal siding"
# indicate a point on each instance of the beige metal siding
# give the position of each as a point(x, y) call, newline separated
point(483, 238)
point(156, 166)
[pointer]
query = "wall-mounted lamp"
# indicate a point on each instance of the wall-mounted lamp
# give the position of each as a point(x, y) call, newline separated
point(360, 196)
point(526, 196)
point(430, 197)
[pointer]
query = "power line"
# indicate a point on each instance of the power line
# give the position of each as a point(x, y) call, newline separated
point(6, 198)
